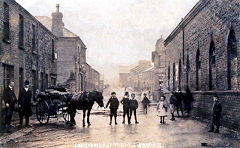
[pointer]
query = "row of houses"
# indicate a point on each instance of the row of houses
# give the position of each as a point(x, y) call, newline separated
point(202, 54)
point(41, 50)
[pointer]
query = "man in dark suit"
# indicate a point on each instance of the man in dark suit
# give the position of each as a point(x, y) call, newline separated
point(216, 114)
point(24, 102)
point(9, 99)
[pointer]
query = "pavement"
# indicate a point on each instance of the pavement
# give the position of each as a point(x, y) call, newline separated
point(184, 132)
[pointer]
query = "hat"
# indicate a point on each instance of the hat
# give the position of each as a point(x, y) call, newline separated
point(26, 82)
point(113, 93)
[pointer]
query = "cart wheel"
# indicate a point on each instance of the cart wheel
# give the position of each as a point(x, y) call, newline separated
point(42, 112)
point(66, 115)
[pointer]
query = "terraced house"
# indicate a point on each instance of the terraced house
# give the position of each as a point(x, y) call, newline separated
point(27, 50)
point(203, 55)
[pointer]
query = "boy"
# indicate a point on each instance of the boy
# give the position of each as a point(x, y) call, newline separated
point(114, 103)
point(133, 108)
point(216, 114)
point(125, 102)
point(145, 102)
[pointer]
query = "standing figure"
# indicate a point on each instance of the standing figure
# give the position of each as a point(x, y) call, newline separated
point(9, 99)
point(25, 102)
point(114, 103)
point(126, 107)
point(188, 99)
point(162, 109)
point(172, 105)
point(145, 102)
point(133, 108)
point(216, 114)
point(179, 99)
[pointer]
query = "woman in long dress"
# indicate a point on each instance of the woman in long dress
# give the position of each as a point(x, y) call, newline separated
point(162, 109)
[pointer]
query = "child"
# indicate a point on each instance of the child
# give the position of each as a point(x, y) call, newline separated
point(133, 108)
point(114, 103)
point(162, 109)
point(125, 102)
point(145, 102)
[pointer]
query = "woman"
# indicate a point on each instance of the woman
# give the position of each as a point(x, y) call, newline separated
point(162, 109)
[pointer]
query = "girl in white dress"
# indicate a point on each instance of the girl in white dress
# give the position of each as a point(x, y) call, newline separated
point(162, 109)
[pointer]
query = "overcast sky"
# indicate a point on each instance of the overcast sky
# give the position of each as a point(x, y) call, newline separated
point(116, 32)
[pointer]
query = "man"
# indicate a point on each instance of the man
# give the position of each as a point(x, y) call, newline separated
point(216, 114)
point(114, 103)
point(179, 99)
point(9, 99)
point(145, 102)
point(126, 106)
point(133, 108)
point(24, 102)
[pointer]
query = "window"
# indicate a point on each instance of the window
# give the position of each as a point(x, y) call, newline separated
point(21, 32)
point(169, 77)
point(211, 63)
point(174, 76)
point(46, 81)
point(187, 69)
point(34, 82)
point(198, 67)
point(6, 29)
point(33, 38)
point(232, 61)
point(179, 74)
point(53, 51)
point(42, 88)
point(8, 73)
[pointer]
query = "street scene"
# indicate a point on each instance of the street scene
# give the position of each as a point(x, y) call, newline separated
point(119, 74)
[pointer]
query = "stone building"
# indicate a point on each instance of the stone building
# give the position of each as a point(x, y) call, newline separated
point(71, 52)
point(203, 55)
point(92, 81)
point(124, 74)
point(27, 50)
point(159, 61)
point(136, 74)
point(147, 80)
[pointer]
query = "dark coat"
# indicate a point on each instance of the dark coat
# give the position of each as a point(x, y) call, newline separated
point(173, 99)
point(217, 109)
point(145, 101)
point(24, 99)
point(126, 102)
point(9, 96)
point(114, 103)
point(133, 104)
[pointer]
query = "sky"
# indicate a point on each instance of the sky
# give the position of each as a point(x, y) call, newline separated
point(116, 32)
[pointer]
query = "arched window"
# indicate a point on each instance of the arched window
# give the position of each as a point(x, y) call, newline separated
point(211, 63)
point(169, 77)
point(198, 67)
point(179, 74)
point(187, 69)
point(174, 76)
point(232, 61)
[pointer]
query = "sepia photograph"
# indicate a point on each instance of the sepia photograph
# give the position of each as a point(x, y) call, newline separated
point(119, 73)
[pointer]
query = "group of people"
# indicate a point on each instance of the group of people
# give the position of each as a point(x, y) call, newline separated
point(130, 106)
point(22, 105)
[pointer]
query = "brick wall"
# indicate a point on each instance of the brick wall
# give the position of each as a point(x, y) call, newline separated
point(209, 21)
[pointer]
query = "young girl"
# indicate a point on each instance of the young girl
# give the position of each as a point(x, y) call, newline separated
point(162, 109)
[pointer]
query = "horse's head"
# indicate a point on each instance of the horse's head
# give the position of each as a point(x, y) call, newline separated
point(98, 97)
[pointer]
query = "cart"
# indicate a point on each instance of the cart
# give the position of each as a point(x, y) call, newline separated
point(52, 103)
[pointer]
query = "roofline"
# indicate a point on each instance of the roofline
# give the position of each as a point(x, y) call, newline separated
point(193, 12)
point(28, 13)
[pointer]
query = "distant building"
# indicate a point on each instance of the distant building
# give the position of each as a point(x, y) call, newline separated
point(71, 53)
point(124, 74)
point(101, 83)
point(147, 80)
point(27, 50)
point(159, 61)
point(92, 81)
point(136, 74)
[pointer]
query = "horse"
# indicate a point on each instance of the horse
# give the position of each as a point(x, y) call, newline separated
point(84, 102)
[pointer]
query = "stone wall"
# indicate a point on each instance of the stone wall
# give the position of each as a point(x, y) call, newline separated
point(39, 59)
point(209, 22)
